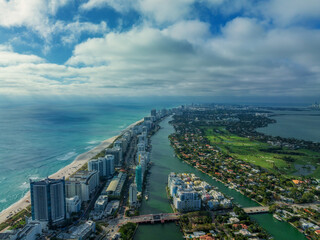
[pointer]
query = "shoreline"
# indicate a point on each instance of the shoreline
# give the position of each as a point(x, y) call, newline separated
point(66, 171)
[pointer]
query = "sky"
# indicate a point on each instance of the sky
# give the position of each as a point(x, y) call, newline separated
point(160, 48)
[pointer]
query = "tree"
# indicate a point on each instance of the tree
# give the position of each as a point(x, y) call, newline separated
point(127, 230)
point(307, 197)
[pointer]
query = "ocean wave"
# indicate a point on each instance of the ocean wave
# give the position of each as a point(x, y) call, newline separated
point(24, 185)
point(66, 156)
point(93, 142)
point(34, 177)
point(3, 200)
point(2, 179)
point(88, 148)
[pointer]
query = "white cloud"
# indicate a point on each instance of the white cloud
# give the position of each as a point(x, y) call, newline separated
point(167, 11)
point(34, 14)
point(248, 57)
point(160, 11)
point(39, 17)
point(164, 11)
point(288, 12)
point(195, 32)
point(8, 57)
point(70, 32)
point(118, 5)
point(281, 12)
point(169, 62)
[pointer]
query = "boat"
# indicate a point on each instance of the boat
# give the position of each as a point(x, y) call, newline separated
point(146, 197)
point(277, 217)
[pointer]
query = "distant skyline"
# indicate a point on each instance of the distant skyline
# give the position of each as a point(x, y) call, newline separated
point(216, 49)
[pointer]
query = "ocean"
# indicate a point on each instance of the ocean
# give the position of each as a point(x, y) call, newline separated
point(38, 139)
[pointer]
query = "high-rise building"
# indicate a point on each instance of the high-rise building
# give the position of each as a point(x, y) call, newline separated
point(141, 147)
point(117, 153)
point(153, 113)
point(109, 165)
point(142, 138)
point(143, 164)
point(83, 184)
point(98, 165)
point(118, 144)
point(142, 157)
point(146, 119)
point(138, 178)
point(48, 200)
point(133, 194)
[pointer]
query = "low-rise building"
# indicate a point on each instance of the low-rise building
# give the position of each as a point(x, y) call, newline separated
point(80, 232)
point(30, 231)
point(101, 203)
point(114, 189)
point(189, 192)
point(187, 200)
point(73, 204)
point(112, 207)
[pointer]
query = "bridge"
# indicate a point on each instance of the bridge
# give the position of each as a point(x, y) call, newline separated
point(167, 217)
point(154, 218)
point(256, 210)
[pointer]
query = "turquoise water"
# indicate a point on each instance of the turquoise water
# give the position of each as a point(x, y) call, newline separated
point(36, 140)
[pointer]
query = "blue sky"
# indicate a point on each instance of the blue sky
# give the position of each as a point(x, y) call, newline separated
point(207, 48)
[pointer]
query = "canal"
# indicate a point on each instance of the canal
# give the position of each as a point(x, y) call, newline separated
point(162, 155)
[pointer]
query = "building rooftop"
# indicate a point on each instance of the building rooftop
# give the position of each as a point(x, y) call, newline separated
point(113, 185)
point(82, 176)
point(46, 181)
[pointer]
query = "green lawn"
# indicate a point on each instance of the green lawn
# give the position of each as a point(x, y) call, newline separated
point(250, 151)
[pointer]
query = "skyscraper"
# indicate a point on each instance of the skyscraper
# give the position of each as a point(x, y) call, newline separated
point(141, 147)
point(98, 165)
point(83, 183)
point(109, 165)
point(48, 200)
point(153, 113)
point(133, 194)
point(138, 179)
point(117, 153)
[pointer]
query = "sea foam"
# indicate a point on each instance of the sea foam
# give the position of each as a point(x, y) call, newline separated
point(67, 156)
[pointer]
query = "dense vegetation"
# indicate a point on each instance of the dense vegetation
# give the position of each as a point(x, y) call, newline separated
point(16, 221)
point(127, 231)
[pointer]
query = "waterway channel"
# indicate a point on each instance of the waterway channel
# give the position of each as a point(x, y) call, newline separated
point(162, 155)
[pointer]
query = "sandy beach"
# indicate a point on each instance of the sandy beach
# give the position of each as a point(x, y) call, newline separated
point(68, 170)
